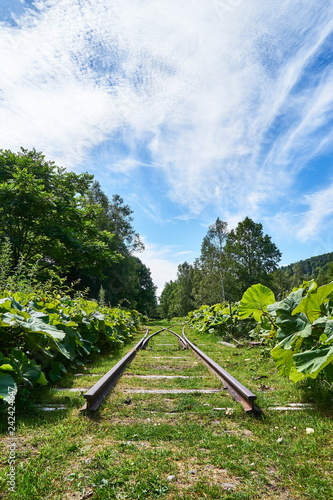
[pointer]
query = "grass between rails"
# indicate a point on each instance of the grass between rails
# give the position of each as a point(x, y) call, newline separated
point(175, 446)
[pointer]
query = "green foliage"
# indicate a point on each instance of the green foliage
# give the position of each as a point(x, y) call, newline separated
point(168, 301)
point(255, 301)
point(222, 319)
point(303, 320)
point(7, 383)
point(56, 228)
point(319, 269)
point(101, 296)
point(253, 254)
point(24, 276)
point(60, 226)
point(300, 325)
point(313, 303)
point(176, 298)
point(214, 264)
point(229, 263)
point(52, 332)
point(43, 212)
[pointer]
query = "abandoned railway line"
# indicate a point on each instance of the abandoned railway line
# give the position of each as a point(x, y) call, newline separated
point(97, 393)
point(169, 427)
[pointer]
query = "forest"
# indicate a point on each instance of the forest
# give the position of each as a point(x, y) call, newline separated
point(232, 261)
point(70, 285)
point(63, 227)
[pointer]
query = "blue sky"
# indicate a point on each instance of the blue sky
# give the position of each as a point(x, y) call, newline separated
point(189, 110)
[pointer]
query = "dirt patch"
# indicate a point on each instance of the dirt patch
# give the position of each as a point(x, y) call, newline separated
point(192, 471)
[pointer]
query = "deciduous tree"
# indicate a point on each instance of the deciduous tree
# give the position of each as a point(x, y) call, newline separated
point(252, 253)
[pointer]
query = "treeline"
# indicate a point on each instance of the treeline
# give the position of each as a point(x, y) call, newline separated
point(229, 263)
point(232, 261)
point(64, 226)
point(319, 268)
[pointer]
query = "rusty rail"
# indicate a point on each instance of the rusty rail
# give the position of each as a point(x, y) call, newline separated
point(180, 339)
point(96, 394)
point(236, 388)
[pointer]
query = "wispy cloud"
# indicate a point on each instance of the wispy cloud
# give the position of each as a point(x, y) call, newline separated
point(184, 252)
point(318, 214)
point(148, 206)
point(162, 262)
point(225, 95)
point(183, 217)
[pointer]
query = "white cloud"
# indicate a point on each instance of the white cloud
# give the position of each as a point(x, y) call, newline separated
point(162, 262)
point(184, 252)
point(182, 217)
point(147, 205)
point(317, 219)
point(214, 89)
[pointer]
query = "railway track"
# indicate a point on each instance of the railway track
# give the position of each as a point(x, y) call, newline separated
point(97, 393)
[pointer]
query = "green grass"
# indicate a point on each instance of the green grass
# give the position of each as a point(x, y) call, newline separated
point(175, 446)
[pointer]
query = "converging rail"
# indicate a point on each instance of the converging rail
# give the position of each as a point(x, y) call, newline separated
point(236, 388)
point(180, 339)
point(96, 394)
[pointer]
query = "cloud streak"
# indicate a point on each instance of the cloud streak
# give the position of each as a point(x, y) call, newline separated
point(319, 213)
point(227, 95)
point(162, 262)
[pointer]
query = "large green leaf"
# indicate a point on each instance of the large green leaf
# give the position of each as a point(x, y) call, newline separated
point(312, 303)
point(312, 362)
point(285, 321)
point(37, 325)
point(57, 371)
point(288, 324)
point(34, 325)
point(5, 304)
point(71, 341)
point(7, 368)
point(26, 369)
point(329, 330)
point(255, 301)
point(99, 316)
point(289, 303)
point(32, 373)
point(283, 355)
point(6, 384)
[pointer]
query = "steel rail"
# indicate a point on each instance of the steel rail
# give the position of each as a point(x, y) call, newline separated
point(180, 339)
point(236, 388)
point(96, 394)
point(144, 345)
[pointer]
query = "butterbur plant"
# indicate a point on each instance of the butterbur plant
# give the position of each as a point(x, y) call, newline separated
point(303, 324)
point(17, 369)
point(222, 319)
point(298, 330)
point(41, 336)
